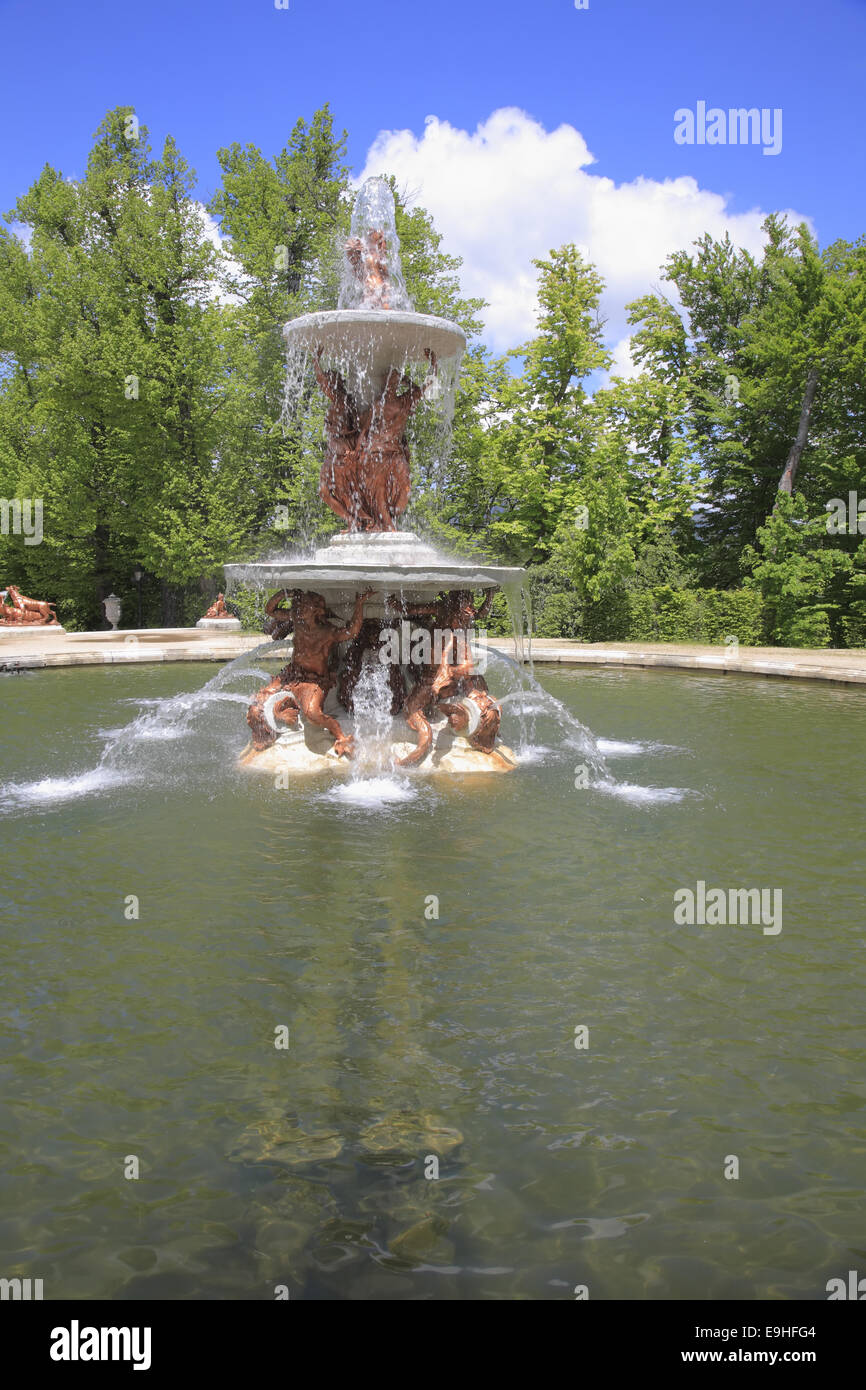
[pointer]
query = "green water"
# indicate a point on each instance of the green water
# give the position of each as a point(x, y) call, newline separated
point(412, 1036)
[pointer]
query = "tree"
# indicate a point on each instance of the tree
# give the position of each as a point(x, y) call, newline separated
point(122, 395)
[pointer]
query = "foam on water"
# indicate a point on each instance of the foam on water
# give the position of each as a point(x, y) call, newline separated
point(642, 796)
point(372, 792)
point(533, 753)
point(51, 790)
point(621, 748)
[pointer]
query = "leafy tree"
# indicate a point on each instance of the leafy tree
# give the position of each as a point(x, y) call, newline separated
point(123, 396)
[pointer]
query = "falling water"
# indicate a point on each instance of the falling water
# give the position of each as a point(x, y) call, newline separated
point(372, 714)
point(373, 235)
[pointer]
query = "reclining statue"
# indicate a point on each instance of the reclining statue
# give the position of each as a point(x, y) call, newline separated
point(25, 612)
point(218, 608)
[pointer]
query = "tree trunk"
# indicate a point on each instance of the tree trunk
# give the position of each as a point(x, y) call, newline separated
point(789, 473)
point(172, 596)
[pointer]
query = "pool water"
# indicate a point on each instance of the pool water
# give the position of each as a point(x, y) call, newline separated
point(334, 1026)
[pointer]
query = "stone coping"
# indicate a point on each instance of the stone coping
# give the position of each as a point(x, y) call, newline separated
point(195, 644)
point(128, 647)
point(795, 663)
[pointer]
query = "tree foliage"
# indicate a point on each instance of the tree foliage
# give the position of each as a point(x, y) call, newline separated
point(142, 381)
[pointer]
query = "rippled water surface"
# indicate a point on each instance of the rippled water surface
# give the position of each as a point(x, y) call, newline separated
point(416, 1039)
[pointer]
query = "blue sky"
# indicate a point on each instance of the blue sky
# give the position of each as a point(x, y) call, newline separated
point(216, 71)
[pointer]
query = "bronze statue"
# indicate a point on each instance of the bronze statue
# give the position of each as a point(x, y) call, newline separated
point(369, 261)
point(453, 612)
point(419, 704)
point(286, 710)
point(339, 483)
point(383, 449)
point(278, 620)
point(218, 608)
point(308, 677)
point(26, 612)
point(485, 732)
point(365, 474)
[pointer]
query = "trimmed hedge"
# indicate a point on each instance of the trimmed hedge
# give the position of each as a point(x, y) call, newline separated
point(662, 614)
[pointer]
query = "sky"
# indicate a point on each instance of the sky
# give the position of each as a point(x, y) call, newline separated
point(519, 124)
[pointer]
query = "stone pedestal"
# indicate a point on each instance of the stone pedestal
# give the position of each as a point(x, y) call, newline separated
point(309, 749)
point(220, 624)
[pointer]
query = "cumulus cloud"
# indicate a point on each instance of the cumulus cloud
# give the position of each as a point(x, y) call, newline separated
point(231, 267)
point(512, 190)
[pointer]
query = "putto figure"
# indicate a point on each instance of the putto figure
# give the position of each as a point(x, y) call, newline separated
point(383, 449)
point(469, 707)
point(218, 608)
point(365, 475)
point(340, 480)
point(455, 612)
point(19, 611)
point(309, 676)
point(368, 257)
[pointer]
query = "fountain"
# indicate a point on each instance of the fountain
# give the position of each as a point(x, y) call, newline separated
point(376, 595)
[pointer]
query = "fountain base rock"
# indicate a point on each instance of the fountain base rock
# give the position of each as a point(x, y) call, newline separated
point(299, 752)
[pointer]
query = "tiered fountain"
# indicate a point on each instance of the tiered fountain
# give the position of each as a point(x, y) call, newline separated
point(385, 630)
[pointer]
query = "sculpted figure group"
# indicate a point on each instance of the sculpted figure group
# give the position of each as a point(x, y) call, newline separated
point(365, 474)
point(303, 685)
point(447, 683)
point(218, 608)
point(18, 611)
point(368, 258)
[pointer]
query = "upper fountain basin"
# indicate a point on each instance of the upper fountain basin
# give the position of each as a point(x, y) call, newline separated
point(385, 562)
point(367, 343)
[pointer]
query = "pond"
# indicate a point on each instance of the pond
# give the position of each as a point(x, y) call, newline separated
point(416, 1038)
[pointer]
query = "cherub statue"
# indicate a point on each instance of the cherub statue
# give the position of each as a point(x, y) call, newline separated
point(482, 730)
point(369, 261)
point(454, 612)
point(383, 449)
point(339, 483)
point(308, 677)
point(278, 620)
point(218, 608)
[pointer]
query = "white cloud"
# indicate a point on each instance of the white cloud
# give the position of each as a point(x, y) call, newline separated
point(511, 191)
point(23, 232)
point(211, 231)
point(623, 364)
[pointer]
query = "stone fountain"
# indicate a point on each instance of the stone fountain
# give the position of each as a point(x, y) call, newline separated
point(385, 630)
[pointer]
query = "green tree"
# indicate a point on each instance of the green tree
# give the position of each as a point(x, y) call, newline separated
point(123, 396)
